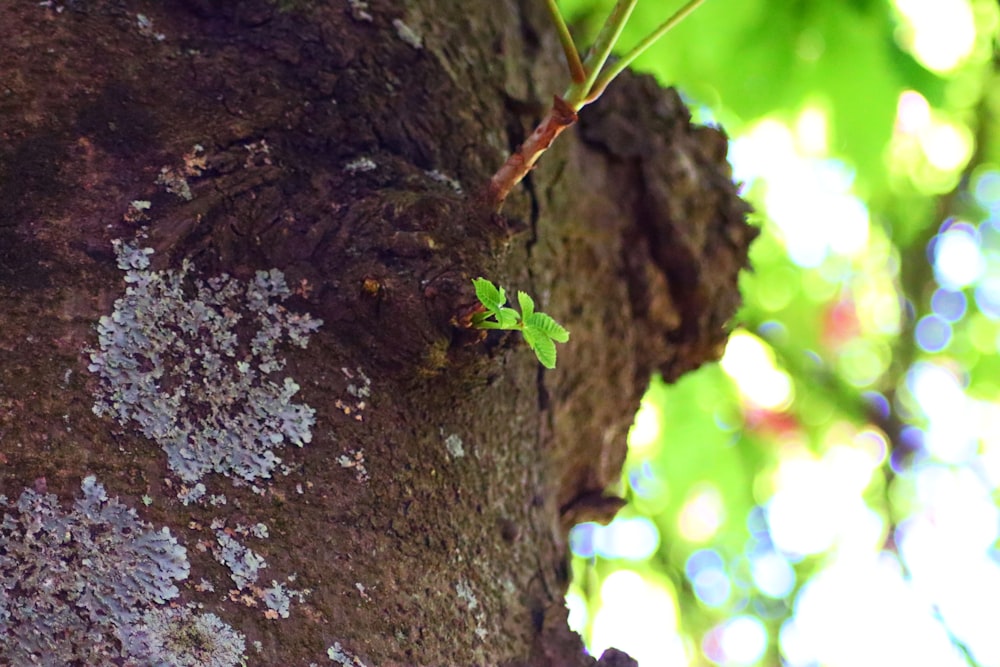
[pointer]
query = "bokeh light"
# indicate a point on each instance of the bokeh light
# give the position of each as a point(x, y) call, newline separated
point(772, 574)
point(809, 200)
point(988, 296)
point(949, 305)
point(627, 538)
point(987, 189)
point(706, 570)
point(643, 437)
point(957, 260)
point(861, 612)
point(638, 615)
point(950, 433)
point(750, 362)
point(826, 496)
point(939, 33)
point(818, 502)
point(702, 514)
point(737, 642)
point(933, 333)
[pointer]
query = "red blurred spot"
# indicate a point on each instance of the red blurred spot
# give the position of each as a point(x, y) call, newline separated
point(771, 422)
point(840, 324)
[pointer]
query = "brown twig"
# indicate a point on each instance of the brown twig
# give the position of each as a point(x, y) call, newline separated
point(517, 166)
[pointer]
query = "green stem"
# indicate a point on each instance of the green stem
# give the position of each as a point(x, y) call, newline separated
point(576, 71)
point(578, 93)
point(618, 67)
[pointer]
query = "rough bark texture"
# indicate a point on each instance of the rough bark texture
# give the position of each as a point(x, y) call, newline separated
point(629, 232)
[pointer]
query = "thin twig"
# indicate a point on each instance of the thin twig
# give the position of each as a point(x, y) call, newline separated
point(517, 166)
point(576, 71)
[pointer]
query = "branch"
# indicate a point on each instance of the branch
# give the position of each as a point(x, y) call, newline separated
point(517, 166)
point(588, 82)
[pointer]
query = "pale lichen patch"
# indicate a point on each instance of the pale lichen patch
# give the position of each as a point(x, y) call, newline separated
point(360, 165)
point(174, 182)
point(407, 34)
point(359, 389)
point(359, 10)
point(189, 639)
point(466, 595)
point(245, 565)
point(146, 28)
point(355, 460)
point(173, 362)
point(362, 591)
point(440, 177)
point(174, 179)
point(136, 211)
point(343, 657)
point(89, 586)
point(455, 446)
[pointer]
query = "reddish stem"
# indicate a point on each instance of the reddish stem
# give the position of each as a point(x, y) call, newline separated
point(517, 166)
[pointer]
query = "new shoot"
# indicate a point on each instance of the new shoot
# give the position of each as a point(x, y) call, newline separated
point(540, 331)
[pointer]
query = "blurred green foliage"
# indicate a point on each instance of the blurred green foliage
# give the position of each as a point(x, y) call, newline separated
point(865, 367)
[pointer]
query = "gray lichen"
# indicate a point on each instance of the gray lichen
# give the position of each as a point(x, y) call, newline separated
point(407, 34)
point(468, 596)
point(244, 565)
point(180, 637)
point(360, 165)
point(343, 657)
point(447, 180)
point(81, 586)
point(278, 599)
point(454, 445)
point(355, 460)
point(359, 10)
point(146, 28)
point(174, 182)
point(173, 362)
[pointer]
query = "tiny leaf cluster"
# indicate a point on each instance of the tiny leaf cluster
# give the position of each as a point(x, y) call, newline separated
point(540, 331)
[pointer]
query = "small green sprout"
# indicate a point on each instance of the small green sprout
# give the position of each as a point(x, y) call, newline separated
point(540, 331)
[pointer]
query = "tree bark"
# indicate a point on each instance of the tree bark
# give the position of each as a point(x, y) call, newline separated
point(347, 144)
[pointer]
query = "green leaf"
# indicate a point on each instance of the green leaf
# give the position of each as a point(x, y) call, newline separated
point(492, 297)
point(548, 326)
point(527, 305)
point(542, 345)
point(508, 318)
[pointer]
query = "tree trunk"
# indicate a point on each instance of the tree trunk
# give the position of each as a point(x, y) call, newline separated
point(344, 143)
